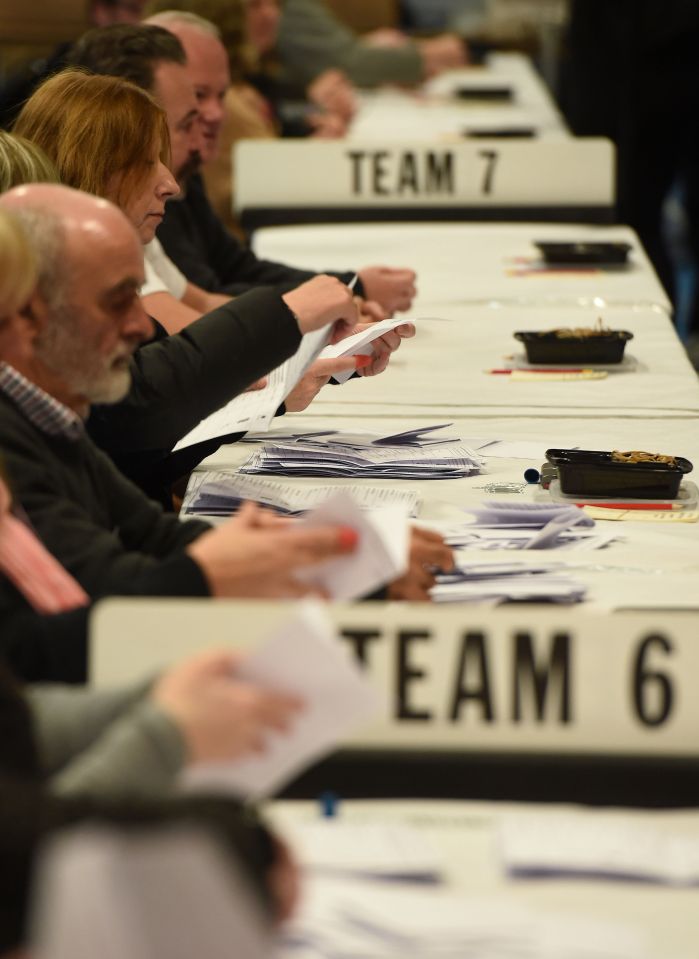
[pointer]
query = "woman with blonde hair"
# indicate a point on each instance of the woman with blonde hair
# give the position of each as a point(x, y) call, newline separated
point(22, 161)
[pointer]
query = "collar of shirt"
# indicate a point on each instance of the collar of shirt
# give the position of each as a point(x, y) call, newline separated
point(45, 412)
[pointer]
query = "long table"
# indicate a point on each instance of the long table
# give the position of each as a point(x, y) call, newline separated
point(436, 114)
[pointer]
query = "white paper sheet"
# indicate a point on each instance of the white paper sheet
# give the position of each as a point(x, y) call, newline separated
point(302, 657)
point(220, 492)
point(595, 846)
point(380, 557)
point(255, 409)
point(359, 344)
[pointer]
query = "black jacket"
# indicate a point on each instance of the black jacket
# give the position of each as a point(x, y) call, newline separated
point(179, 380)
point(200, 245)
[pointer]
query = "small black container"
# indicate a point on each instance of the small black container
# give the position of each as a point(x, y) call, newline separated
point(594, 473)
point(493, 93)
point(584, 254)
point(547, 347)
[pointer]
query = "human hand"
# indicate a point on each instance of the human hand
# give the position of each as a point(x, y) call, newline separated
point(248, 558)
point(392, 289)
point(428, 551)
point(220, 717)
point(257, 385)
point(320, 301)
point(284, 881)
point(383, 346)
point(333, 91)
point(386, 37)
point(446, 52)
point(319, 375)
point(326, 126)
point(370, 311)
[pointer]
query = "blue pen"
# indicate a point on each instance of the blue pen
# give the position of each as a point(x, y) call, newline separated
point(329, 803)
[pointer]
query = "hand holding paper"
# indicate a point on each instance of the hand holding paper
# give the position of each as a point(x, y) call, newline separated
point(302, 658)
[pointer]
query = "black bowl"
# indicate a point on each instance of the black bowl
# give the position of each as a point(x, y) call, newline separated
point(594, 473)
point(584, 254)
point(546, 347)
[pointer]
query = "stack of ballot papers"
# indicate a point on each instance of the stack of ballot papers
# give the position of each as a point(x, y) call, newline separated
point(352, 459)
point(222, 492)
point(370, 920)
point(419, 436)
point(507, 582)
point(498, 524)
point(377, 850)
point(302, 657)
point(597, 846)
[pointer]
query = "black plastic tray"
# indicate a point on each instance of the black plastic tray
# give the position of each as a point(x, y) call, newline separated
point(572, 253)
point(545, 347)
point(593, 473)
point(500, 94)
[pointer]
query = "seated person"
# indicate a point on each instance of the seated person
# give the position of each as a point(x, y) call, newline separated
point(179, 380)
point(30, 814)
point(68, 344)
point(322, 109)
point(154, 59)
point(312, 39)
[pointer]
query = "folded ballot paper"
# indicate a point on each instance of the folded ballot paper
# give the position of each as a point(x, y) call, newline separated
point(256, 409)
point(362, 920)
point(597, 845)
point(303, 657)
point(419, 436)
point(352, 457)
point(222, 492)
point(359, 344)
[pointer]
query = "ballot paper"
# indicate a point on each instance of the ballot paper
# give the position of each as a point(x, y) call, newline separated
point(597, 846)
point(306, 458)
point(419, 436)
point(499, 524)
point(138, 894)
point(359, 344)
point(380, 557)
point(303, 657)
point(377, 921)
point(256, 409)
point(376, 850)
point(222, 492)
point(496, 583)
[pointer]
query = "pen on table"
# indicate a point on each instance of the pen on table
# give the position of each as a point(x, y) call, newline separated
point(547, 369)
point(649, 506)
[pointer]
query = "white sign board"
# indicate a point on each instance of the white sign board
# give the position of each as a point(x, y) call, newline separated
point(460, 678)
point(489, 173)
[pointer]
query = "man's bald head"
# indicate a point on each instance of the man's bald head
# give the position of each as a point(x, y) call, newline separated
point(87, 318)
point(64, 226)
point(207, 67)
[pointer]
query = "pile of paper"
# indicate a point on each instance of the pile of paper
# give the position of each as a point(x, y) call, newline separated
point(596, 845)
point(351, 459)
point(420, 436)
point(498, 524)
point(222, 492)
point(383, 850)
point(507, 582)
point(373, 921)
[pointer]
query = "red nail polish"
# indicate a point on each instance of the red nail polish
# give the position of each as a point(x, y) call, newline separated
point(362, 361)
point(348, 537)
